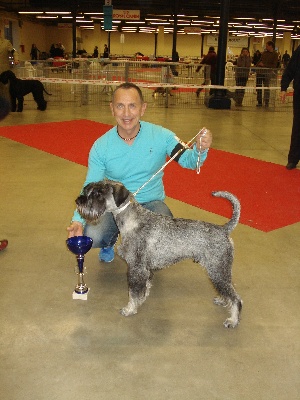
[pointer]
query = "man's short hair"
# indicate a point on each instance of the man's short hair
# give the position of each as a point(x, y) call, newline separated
point(270, 43)
point(211, 48)
point(129, 85)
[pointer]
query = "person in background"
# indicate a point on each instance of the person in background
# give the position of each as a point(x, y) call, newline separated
point(211, 60)
point(267, 63)
point(132, 152)
point(292, 73)
point(105, 52)
point(62, 48)
point(285, 59)
point(34, 52)
point(58, 51)
point(6, 50)
point(243, 64)
point(52, 50)
point(256, 57)
point(96, 52)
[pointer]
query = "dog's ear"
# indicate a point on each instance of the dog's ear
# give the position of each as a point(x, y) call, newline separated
point(120, 193)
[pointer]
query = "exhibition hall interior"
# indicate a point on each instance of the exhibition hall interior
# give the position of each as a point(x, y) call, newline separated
point(62, 341)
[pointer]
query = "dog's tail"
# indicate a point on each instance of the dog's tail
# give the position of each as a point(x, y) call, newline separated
point(236, 207)
point(49, 94)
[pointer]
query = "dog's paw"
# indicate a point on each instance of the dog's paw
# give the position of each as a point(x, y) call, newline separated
point(220, 301)
point(230, 323)
point(128, 310)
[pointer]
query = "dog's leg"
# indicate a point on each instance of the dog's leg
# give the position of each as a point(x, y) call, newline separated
point(39, 99)
point(13, 102)
point(228, 296)
point(20, 104)
point(148, 285)
point(139, 287)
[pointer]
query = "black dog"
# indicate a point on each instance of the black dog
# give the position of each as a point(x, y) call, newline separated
point(19, 88)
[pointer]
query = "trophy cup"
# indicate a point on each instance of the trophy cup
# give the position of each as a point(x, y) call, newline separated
point(80, 245)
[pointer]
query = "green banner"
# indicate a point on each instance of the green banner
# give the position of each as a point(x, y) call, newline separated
point(108, 13)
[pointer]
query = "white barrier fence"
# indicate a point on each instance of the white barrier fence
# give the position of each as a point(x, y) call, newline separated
point(92, 82)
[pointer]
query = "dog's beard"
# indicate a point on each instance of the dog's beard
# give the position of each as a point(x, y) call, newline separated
point(90, 209)
point(91, 216)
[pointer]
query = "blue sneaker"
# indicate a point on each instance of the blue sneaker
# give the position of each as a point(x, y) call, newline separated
point(107, 254)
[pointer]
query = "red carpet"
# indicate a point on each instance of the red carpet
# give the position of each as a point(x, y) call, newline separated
point(269, 194)
point(71, 140)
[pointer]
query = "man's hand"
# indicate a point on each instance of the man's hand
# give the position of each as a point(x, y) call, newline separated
point(204, 139)
point(282, 96)
point(75, 229)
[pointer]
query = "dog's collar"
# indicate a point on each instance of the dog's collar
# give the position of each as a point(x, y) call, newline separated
point(122, 208)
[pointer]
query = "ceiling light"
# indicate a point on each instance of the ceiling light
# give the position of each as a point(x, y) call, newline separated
point(202, 22)
point(155, 19)
point(57, 12)
point(161, 15)
point(271, 19)
point(160, 23)
point(30, 12)
point(47, 16)
point(187, 16)
point(135, 22)
point(84, 20)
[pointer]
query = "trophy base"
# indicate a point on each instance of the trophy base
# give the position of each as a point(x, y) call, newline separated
point(80, 296)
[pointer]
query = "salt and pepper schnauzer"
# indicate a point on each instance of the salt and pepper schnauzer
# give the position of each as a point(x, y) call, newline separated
point(151, 242)
point(19, 88)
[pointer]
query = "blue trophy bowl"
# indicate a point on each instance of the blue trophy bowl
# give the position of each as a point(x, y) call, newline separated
point(79, 245)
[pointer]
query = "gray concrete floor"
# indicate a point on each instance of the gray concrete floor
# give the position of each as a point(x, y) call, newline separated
point(53, 347)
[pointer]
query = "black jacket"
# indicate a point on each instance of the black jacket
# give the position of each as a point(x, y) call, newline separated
point(292, 72)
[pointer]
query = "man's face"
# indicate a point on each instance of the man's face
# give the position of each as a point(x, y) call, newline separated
point(127, 108)
point(269, 47)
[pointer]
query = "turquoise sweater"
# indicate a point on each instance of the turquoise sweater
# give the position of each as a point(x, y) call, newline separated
point(112, 158)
